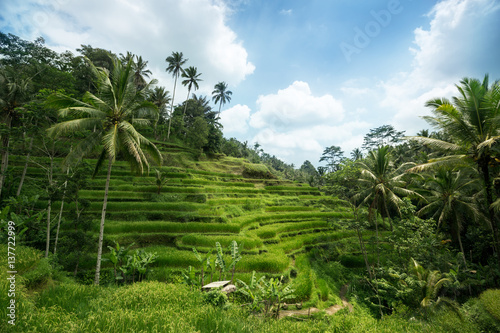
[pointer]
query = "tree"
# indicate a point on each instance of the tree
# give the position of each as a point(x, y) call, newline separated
point(450, 200)
point(160, 97)
point(333, 156)
point(192, 79)
point(356, 154)
point(140, 72)
point(383, 184)
point(175, 63)
point(221, 95)
point(112, 113)
point(14, 92)
point(471, 121)
point(385, 135)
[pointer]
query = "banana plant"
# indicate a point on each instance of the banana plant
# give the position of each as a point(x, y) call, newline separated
point(252, 292)
point(144, 259)
point(219, 260)
point(235, 257)
point(116, 256)
point(431, 283)
point(205, 263)
point(271, 293)
point(160, 180)
point(189, 276)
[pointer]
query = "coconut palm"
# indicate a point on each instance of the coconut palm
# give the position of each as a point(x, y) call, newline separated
point(175, 63)
point(450, 201)
point(113, 114)
point(160, 97)
point(221, 95)
point(140, 72)
point(356, 154)
point(192, 79)
point(383, 184)
point(471, 121)
point(14, 92)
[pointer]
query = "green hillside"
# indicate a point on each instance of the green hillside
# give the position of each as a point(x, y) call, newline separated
point(204, 202)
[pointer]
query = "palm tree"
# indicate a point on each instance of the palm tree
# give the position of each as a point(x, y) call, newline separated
point(191, 81)
point(450, 200)
point(125, 58)
point(175, 63)
point(160, 97)
point(472, 123)
point(356, 154)
point(140, 72)
point(384, 184)
point(221, 94)
point(14, 92)
point(113, 113)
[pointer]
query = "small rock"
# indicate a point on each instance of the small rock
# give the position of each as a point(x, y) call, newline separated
point(229, 288)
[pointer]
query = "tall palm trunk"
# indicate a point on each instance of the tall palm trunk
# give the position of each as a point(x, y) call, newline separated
point(172, 108)
point(185, 107)
point(23, 175)
point(485, 172)
point(103, 217)
point(60, 213)
point(49, 207)
point(5, 154)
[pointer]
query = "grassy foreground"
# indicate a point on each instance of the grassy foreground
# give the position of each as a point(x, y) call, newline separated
point(48, 301)
point(160, 307)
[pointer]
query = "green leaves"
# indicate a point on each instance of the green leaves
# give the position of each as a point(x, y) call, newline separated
point(265, 295)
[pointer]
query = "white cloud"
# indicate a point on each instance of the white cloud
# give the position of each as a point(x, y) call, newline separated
point(153, 29)
point(286, 12)
point(453, 47)
point(308, 143)
point(295, 107)
point(235, 120)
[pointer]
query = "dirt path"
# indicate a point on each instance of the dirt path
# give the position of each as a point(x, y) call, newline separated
point(329, 311)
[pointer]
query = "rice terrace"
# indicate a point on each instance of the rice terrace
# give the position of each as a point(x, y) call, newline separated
point(130, 206)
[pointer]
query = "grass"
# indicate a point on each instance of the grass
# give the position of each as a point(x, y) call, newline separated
point(491, 301)
point(209, 241)
point(161, 307)
point(115, 227)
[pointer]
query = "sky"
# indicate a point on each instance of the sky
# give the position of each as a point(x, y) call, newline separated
point(305, 74)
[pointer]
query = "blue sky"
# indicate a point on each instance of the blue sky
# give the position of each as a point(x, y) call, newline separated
point(305, 74)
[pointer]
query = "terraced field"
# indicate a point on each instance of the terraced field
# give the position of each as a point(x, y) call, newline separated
point(274, 221)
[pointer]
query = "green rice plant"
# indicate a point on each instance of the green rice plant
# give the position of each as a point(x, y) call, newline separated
point(69, 297)
point(266, 234)
point(303, 284)
point(289, 209)
point(323, 289)
point(113, 195)
point(172, 257)
point(232, 201)
point(114, 227)
point(491, 302)
point(158, 215)
point(147, 206)
point(142, 239)
point(209, 241)
point(272, 262)
point(292, 188)
point(257, 171)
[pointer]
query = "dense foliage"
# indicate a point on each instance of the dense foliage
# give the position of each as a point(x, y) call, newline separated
point(405, 231)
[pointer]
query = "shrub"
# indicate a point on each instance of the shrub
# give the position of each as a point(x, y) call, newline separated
point(216, 298)
point(491, 302)
point(257, 171)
